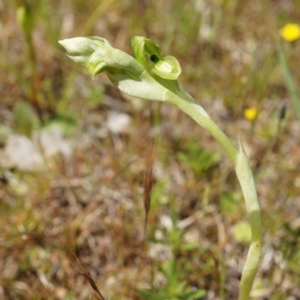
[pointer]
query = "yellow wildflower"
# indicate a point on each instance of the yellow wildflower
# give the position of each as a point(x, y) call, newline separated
point(290, 32)
point(250, 113)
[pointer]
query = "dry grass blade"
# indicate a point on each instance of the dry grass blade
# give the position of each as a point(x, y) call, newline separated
point(92, 283)
point(86, 274)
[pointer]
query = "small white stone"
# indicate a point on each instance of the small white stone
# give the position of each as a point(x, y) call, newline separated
point(117, 122)
point(20, 152)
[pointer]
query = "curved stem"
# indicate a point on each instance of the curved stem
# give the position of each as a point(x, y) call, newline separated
point(245, 177)
point(246, 180)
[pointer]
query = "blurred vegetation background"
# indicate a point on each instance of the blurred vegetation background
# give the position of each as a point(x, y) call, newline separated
point(77, 157)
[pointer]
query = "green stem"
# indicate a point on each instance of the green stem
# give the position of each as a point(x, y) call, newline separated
point(246, 180)
point(245, 177)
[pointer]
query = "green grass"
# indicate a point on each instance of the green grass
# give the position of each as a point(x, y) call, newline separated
point(84, 212)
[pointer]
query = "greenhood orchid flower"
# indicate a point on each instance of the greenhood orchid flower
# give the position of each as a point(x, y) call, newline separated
point(150, 56)
point(152, 76)
point(149, 76)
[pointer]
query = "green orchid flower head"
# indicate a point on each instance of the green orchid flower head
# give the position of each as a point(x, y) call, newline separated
point(150, 56)
point(148, 76)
